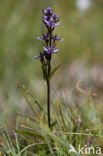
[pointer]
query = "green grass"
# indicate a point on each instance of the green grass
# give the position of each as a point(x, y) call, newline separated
point(72, 124)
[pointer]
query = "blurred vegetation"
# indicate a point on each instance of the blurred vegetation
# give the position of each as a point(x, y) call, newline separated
point(21, 24)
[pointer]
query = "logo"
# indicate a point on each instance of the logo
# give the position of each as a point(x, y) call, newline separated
point(86, 150)
point(72, 149)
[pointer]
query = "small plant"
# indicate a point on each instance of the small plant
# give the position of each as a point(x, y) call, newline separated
point(49, 42)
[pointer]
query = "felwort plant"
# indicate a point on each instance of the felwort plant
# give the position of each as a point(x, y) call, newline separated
point(48, 40)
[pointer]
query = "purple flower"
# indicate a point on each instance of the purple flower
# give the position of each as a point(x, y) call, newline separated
point(41, 57)
point(44, 37)
point(50, 50)
point(49, 19)
point(50, 23)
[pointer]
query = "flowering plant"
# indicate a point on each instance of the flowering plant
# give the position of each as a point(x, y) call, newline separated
point(49, 42)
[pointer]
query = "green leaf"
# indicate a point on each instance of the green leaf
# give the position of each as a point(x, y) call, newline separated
point(27, 147)
point(32, 134)
point(54, 70)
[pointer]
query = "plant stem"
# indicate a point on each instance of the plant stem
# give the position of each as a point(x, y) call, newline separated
point(48, 93)
point(48, 102)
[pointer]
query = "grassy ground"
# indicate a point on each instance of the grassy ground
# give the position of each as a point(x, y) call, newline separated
point(76, 123)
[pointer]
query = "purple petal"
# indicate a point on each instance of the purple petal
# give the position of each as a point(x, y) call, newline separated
point(39, 38)
point(56, 18)
point(57, 23)
point(55, 51)
point(49, 11)
point(58, 39)
point(36, 57)
point(45, 17)
point(44, 11)
point(45, 49)
point(61, 39)
point(45, 21)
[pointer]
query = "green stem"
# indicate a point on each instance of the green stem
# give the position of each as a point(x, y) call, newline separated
point(48, 93)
